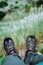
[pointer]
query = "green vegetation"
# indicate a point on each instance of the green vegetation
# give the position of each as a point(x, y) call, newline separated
point(3, 4)
point(1, 59)
point(41, 51)
point(27, 8)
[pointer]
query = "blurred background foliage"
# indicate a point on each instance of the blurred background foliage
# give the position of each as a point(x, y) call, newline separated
point(20, 18)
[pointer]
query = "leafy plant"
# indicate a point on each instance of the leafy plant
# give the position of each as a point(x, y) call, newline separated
point(27, 8)
point(41, 50)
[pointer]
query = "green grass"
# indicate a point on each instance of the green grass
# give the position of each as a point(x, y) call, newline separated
point(19, 24)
